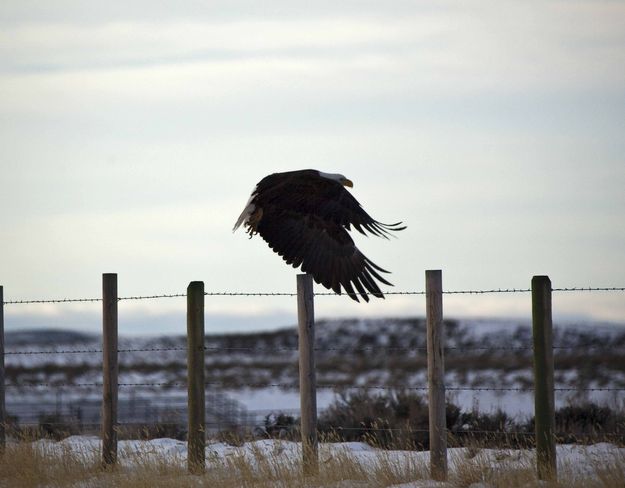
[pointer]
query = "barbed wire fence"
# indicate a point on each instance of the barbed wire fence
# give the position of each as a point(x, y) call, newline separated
point(294, 349)
point(244, 416)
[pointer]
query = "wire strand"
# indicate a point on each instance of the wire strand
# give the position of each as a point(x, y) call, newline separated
point(290, 386)
point(70, 422)
point(291, 294)
point(365, 349)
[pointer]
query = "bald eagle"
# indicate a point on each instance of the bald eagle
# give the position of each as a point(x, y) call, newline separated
point(305, 217)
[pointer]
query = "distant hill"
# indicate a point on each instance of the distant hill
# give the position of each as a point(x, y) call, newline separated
point(44, 337)
point(349, 352)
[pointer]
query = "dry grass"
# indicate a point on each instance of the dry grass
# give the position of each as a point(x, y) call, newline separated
point(25, 466)
point(44, 464)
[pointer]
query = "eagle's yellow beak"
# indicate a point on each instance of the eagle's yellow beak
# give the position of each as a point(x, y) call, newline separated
point(347, 182)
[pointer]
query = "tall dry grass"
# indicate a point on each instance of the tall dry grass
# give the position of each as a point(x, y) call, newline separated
point(28, 464)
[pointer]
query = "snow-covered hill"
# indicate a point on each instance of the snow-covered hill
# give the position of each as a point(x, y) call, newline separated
point(486, 355)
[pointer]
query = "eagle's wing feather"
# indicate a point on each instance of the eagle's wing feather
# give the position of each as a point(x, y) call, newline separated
point(323, 249)
point(345, 210)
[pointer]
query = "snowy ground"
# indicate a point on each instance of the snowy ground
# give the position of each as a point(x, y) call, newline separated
point(575, 461)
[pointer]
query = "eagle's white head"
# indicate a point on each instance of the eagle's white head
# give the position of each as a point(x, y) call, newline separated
point(337, 177)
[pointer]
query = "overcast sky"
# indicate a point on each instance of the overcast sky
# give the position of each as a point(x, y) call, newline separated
point(133, 132)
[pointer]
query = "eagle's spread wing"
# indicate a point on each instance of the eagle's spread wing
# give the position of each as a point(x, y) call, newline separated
point(325, 250)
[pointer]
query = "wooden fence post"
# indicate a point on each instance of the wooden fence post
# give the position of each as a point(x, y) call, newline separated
point(307, 374)
point(109, 369)
point(436, 374)
point(544, 403)
point(196, 459)
point(3, 415)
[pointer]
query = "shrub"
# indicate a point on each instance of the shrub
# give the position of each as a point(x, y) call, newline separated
point(55, 426)
point(396, 419)
point(281, 426)
point(399, 419)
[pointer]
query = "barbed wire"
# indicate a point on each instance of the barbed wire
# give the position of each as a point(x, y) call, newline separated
point(51, 300)
point(589, 288)
point(69, 422)
point(294, 386)
point(291, 294)
point(405, 349)
point(33, 353)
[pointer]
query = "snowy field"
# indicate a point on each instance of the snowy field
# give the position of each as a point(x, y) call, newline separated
point(517, 404)
point(488, 368)
point(574, 462)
